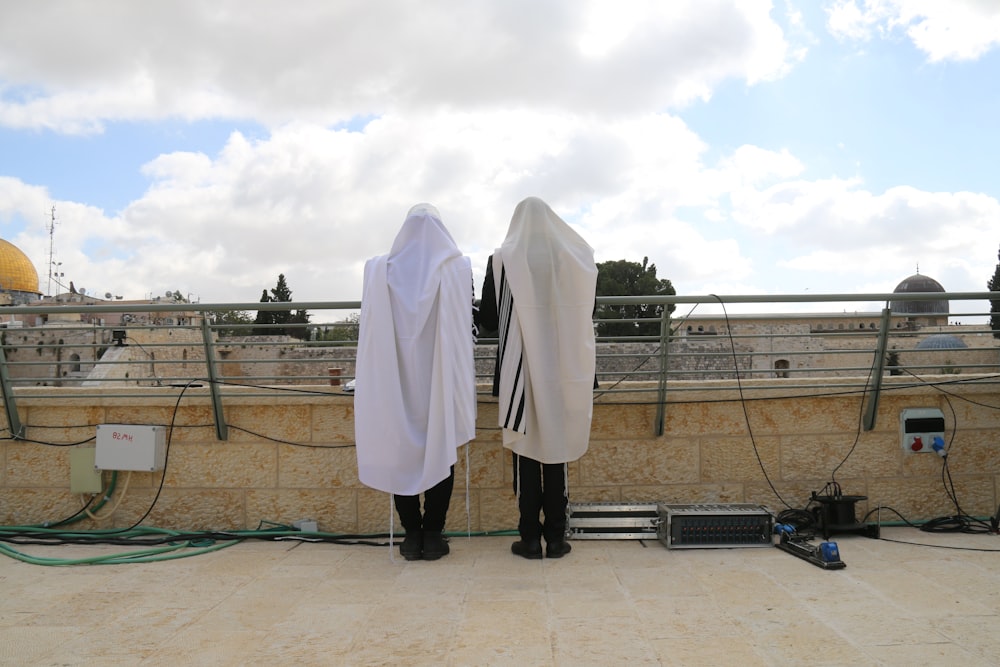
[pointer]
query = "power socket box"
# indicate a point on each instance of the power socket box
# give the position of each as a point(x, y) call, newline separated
point(131, 447)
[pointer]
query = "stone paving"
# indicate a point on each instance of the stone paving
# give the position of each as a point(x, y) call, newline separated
point(607, 603)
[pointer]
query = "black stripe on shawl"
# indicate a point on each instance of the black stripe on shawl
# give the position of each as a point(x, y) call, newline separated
point(512, 419)
point(520, 402)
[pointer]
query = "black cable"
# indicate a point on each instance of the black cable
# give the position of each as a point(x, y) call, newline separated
point(947, 524)
point(937, 546)
point(52, 444)
point(802, 520)
point(960, 521)
point(166, 459)
point(649, 356)
point(742, 398)
point(115, 538)
point(747, 399)
point(170, 430)
point(287, 442)
point(152, 360)
point(282, 388)
point(889, 509)
point(73, 516)
point(861, 411)
point(743, 403)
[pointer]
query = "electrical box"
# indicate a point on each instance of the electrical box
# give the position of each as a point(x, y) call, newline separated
point(131, 447)
point(84, 477)
point(922, 429)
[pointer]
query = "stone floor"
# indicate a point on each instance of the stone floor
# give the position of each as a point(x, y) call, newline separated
point(607, 603)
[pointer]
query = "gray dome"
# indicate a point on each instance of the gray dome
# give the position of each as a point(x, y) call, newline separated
point(917, 284)
point(941, 342)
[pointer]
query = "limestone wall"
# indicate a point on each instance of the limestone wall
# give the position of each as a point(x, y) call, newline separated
point(291, 457)
point(66, 356)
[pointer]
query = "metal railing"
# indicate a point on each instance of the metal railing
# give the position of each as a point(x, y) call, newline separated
point(122, 347)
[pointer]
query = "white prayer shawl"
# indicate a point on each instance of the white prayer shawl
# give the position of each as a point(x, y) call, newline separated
point(547, 281)
point(415, 395)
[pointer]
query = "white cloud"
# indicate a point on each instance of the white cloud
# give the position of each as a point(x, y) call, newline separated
point(470, 106)
point(838, 228)
point(752, 165)
point(327, 62)
point(351, 189)
point(314, 203)
point(847, 20)
point(953, 30)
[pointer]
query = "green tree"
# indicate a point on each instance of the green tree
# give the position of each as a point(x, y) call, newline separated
point(298, 325)
point(994, 286)
point(345, 330)
point(264, 318)
point(288, 323)
point(281, 294)
point(892, 361)
point(624, 278)
point(227, 323)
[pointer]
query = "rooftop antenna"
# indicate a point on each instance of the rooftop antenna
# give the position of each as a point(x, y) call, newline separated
point(52, 229)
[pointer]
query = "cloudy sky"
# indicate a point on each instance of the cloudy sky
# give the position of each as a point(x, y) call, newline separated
point(743, 146)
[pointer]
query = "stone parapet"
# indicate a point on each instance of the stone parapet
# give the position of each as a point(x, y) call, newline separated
point(292, 456)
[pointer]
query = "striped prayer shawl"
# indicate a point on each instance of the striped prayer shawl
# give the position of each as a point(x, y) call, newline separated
point(512, 372)
point(545, 387)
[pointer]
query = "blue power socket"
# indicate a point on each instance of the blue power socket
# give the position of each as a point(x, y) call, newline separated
point(828, 552)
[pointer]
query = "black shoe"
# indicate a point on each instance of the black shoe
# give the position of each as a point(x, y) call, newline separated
point(435, 545)
point(412, 546)
point(531, 549)
point(557, 549)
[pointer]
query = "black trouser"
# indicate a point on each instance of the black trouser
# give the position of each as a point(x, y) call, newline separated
point(541, 488)
point(436, 501)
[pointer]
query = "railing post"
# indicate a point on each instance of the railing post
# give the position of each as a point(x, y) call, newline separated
point(878, 368)
point(661, 389)
point(9, 404)
point(221, 429)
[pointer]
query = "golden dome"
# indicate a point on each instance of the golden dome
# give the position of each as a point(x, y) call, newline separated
point(17, 273)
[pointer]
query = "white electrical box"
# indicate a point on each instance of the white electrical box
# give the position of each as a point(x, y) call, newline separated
point(922, 429)
point(130, 447)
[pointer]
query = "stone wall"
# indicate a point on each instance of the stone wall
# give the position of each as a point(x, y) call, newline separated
point(291, 456)
point(73, 354)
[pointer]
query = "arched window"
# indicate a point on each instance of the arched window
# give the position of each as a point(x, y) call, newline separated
point(781, 368)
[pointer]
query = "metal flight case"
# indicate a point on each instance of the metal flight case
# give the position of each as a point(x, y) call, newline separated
point(715, 526)
point(612, 521)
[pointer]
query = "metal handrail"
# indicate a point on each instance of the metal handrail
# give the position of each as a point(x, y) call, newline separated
point(55, 353)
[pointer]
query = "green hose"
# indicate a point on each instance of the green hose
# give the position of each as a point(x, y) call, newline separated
point(142, 556)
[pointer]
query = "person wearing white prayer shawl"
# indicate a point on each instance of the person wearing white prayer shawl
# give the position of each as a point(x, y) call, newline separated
point(415, 391)
point(538, 295)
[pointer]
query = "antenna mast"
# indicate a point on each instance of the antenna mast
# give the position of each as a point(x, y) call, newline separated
point(52, 229)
